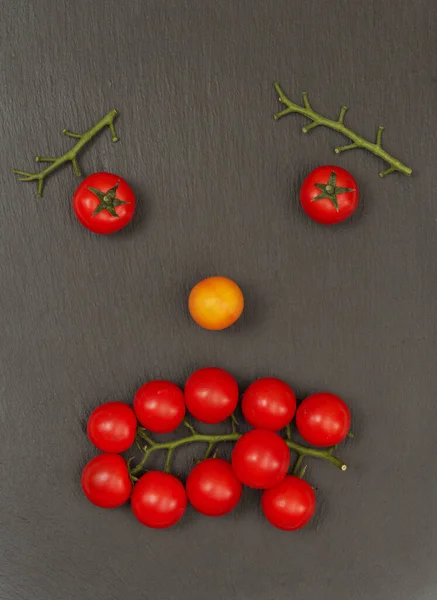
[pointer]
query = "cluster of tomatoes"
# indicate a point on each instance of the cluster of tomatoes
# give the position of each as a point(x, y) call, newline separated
point(260, 458)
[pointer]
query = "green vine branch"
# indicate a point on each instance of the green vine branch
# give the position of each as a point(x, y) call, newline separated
point(212, 441)
point(71, 155)
point(338, 125)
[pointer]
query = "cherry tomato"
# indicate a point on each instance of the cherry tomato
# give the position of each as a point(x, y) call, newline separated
point(104, 203)
point(323, 419)
point(290, 504)
point(216, 303)
point(211, 395)
point(106, 482)
point(212, 487)
point(269, 403)
point(159, 406)
point(329, 195)
point(112, 427)
point(158, 500)
point(260, 458)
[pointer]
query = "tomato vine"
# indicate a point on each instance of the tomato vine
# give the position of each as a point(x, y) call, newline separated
point(212, 440)
point(261, 456)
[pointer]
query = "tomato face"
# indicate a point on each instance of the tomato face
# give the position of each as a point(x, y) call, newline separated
point(329, 195)
point(159, 406)
point(260, 459)
point(104, 203)
point(290, 504)
point(216, 303)
point(269, 403)
point(106, 482)
point(212, 487)
point(211, 395)
point(112, 427)
point(323, 419)
point(158, 500)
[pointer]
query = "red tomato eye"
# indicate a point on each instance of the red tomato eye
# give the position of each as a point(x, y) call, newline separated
point(329, 195)
point(104, 203)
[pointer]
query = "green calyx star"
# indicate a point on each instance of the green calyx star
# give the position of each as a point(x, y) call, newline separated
point(329, 191)
point(107, 200)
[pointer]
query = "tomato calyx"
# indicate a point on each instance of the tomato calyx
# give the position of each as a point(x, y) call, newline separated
point(107, 200)
point(329, 191)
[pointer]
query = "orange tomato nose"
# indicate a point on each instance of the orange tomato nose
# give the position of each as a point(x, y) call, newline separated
point(216, 303)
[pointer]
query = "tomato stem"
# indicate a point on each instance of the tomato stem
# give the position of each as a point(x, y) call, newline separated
point(167, 467)
point(234, 423)
point(212, 441)
point(209, 451)
point(189, 426)
point(338, 125)
point(288, 431)
point(71, 155)
point(297, 464)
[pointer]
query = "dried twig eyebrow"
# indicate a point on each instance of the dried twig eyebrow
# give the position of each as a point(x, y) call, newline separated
point(338, 125)
point(71, 155)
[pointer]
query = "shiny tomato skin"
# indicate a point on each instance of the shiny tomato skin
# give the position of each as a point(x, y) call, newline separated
point(112, 427)
point(290, 504)
point(159, 406)
point(323, 419)
point(269, 403)
point(323, 211)
point(106, 482)
point(260, 459)
point(213, 488)
point(85, 202)
point(158, 500)
point(211, 395)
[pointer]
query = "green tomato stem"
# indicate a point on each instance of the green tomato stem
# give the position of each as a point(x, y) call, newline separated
point(338, 125)
point(212, 440)
point(71, 155)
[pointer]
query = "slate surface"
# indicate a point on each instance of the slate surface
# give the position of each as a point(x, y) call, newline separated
point(87, 319)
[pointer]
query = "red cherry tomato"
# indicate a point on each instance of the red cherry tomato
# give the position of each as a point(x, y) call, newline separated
point(104, 203)
point(269, 403)
point(260, 458)
point(112, 427)
point(159, 406)
point(323, 419)
point(106, 482)
point(329, 195)
point(158, 500)
point(212, 487)
point(290, 504)
point(211, 395)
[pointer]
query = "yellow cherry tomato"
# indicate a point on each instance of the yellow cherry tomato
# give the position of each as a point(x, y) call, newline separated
point(216, 303)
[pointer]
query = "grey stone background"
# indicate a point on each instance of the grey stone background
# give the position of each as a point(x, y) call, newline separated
point(86, 319)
